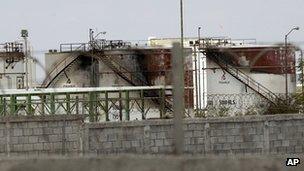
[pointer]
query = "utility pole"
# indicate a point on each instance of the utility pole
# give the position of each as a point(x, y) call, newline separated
point(196, 79)
point(286, 61)
point(199, 68)
point(182, 27)
point(302, 73)
point(24, 34)
point(178, 97)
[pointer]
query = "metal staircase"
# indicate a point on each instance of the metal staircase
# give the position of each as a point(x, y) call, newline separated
point(133, 78)
point(224, 60)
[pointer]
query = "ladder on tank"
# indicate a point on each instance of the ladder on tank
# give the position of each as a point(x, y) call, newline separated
point(132, 78)
point(223, 59)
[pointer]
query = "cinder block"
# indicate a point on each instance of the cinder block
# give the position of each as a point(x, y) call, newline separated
point(73, 137)
point(107, 145)
point(298, 149)
point(28, 147)
point(47, 146)
point(154, 149)
point(117, 144)
point(238, 139)
point(68, 130)
point(33, 139)
point(189, 134)
point(153, 135)
point(277, 143)
point(159, 142)
point(111, 137)
point(55, 138)
point(227, 146)
point(17, 148)
point(1, 133)
point(37, 131)
point(23, 140)
point(28, 131)
point(285, 143)
point(168, 142)
point(200, 141)
point(47, 130)
point(197, 134)
point(222, 139)
point(57, 145)
point(13, 140)
point(214, 140)
point(135, 144)
point(17, 132)
point(217, 147)
point(161, 135)
point(230, 139)
point(126, 144)
point(32, 125)
point(57, 130)
point(38, 146)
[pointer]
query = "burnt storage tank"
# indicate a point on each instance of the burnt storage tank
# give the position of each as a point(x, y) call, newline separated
point(156, 66)
point(118, 67)
point(263, 59)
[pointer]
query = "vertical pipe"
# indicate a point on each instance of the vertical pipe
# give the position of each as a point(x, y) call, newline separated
point(178, 94)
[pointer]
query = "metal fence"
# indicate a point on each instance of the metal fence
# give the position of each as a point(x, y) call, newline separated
point(99, 104)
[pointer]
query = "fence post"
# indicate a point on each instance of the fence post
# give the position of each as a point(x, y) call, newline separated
point(52, 104)
point(29, 105)
point(91, 106)
point(107, 106)
point(1, 106)
point(162, 103)
point(13, 104)
point(127, 105)
point(120, 106)
point(77, 105)
point(68, 103)
point(142, 97)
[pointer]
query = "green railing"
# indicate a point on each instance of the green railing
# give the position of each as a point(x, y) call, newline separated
point(98, 104)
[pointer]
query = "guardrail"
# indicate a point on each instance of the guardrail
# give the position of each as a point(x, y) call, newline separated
point(99, 104)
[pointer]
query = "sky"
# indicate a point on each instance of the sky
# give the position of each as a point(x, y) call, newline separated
point(51, 22)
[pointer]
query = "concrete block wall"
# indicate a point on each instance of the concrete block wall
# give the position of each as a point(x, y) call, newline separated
point(39, 135)
point(259, 135)
point(251, 135)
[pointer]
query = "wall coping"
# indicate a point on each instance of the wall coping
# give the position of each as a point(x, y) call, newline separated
point(45, 118)
point(158, 122)
point(243, 119)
